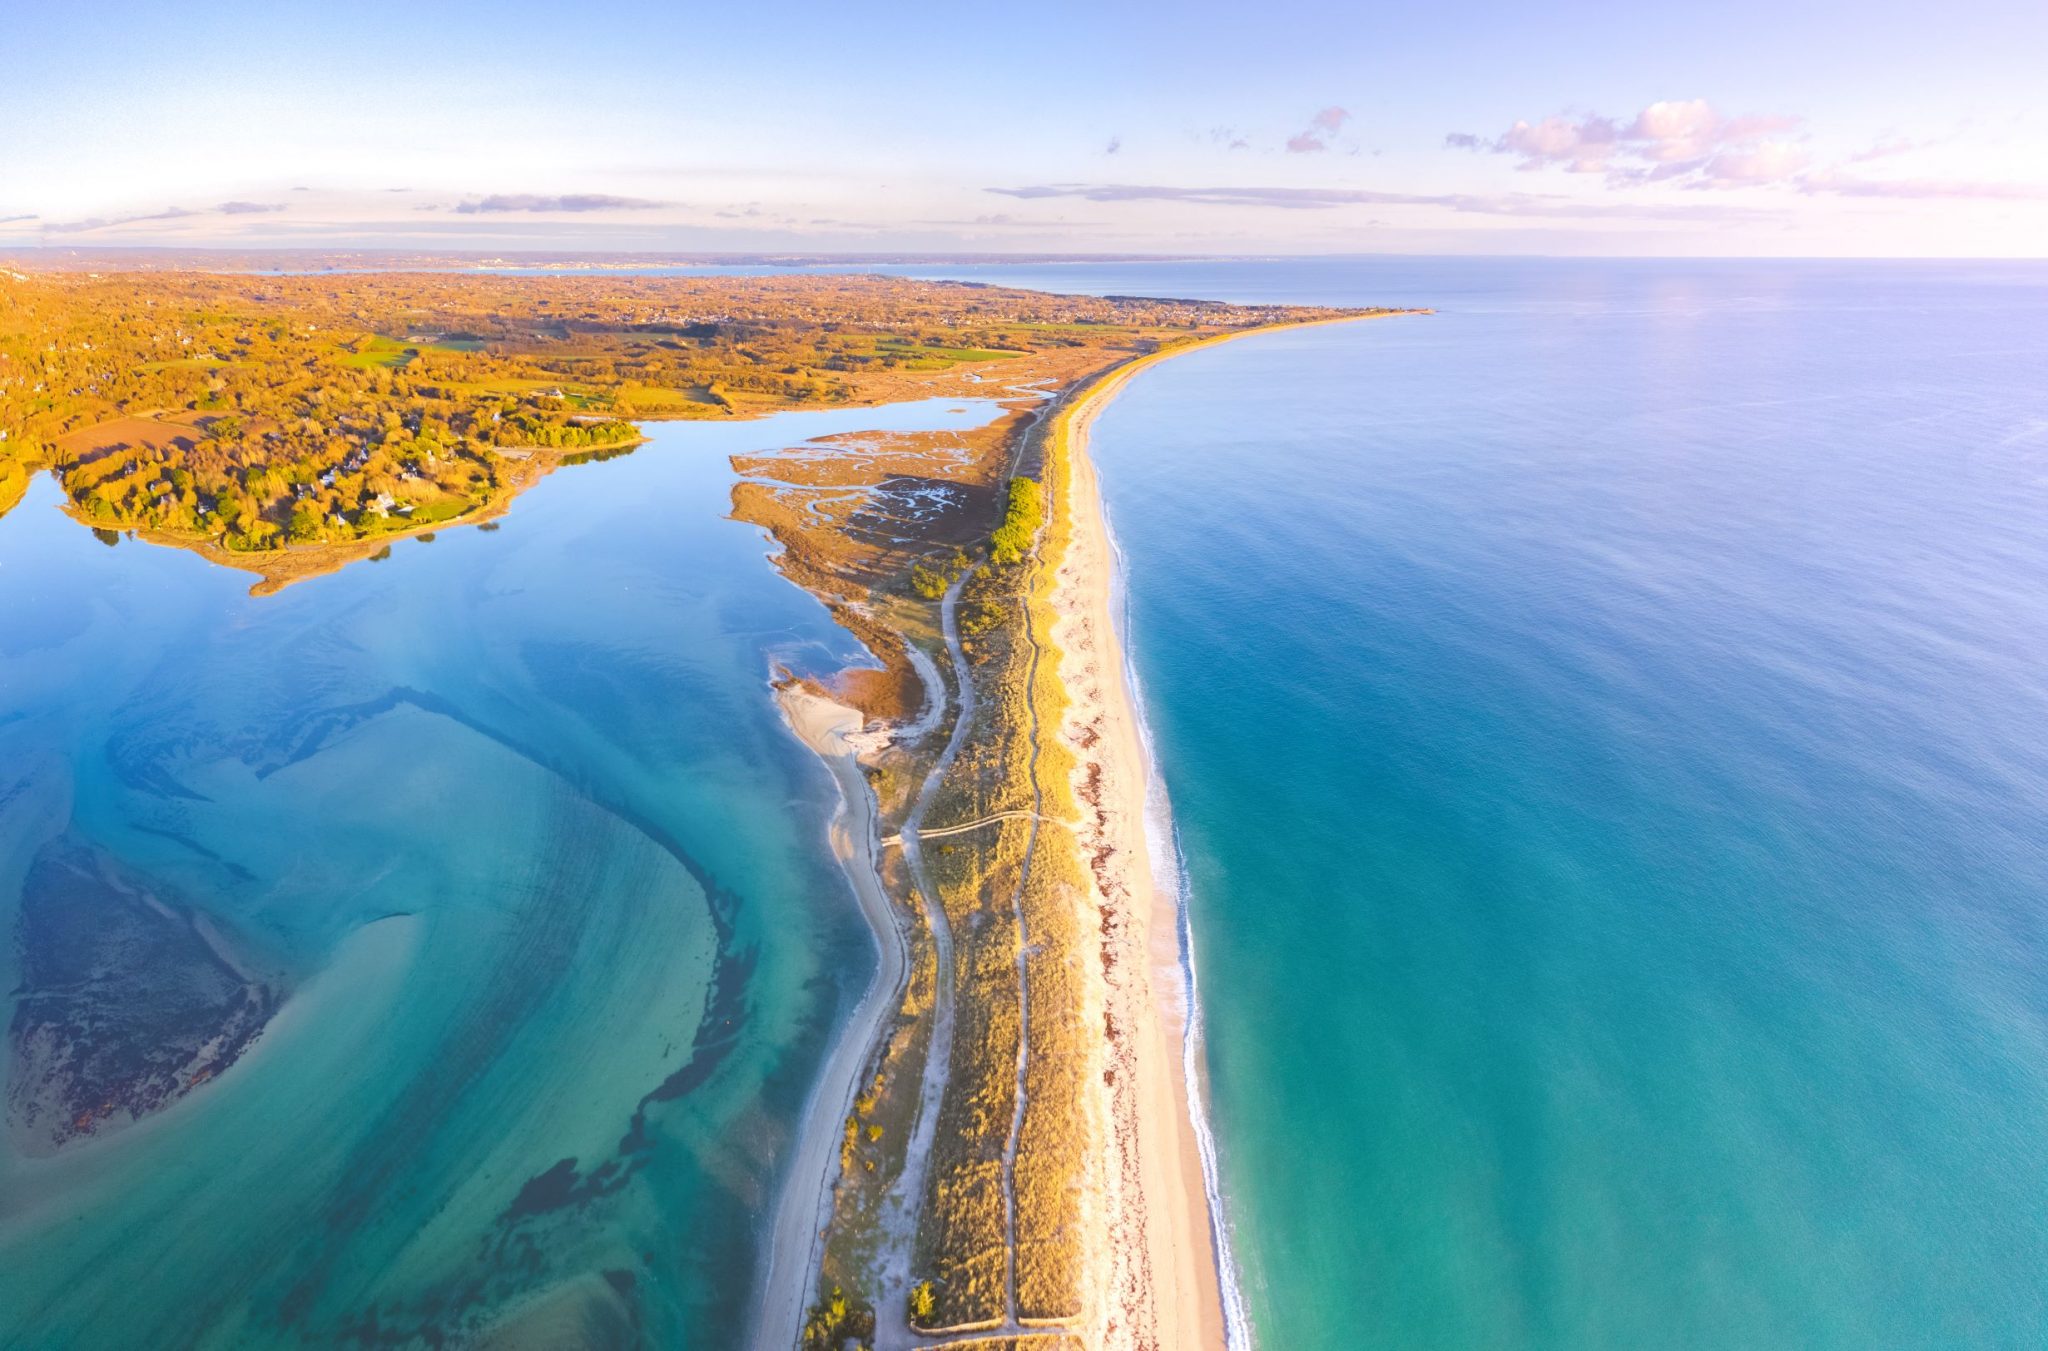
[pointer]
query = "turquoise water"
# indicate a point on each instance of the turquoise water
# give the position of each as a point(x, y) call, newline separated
point(507, 831)
point(1608, 733)
point(1604, 723)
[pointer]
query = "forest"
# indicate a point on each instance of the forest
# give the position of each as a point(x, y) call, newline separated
point(252, 414)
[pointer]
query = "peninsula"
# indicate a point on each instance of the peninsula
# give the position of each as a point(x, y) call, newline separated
point(1008, 1139)
point(1002, 1144)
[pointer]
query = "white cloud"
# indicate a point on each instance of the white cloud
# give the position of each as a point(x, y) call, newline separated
point(1767, 162)
point(1669, 139)
point(1323, 199)
point(570, 203)
point(1834, 183)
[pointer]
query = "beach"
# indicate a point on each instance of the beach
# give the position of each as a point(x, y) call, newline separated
point(1165, 1267)
point(1162, 1286)
point(831, 731)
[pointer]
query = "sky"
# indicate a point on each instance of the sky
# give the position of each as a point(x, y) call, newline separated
point(1793, 128)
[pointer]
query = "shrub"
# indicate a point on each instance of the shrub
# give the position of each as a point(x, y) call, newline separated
point(1023, 512)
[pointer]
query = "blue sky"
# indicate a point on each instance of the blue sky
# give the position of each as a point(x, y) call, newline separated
point(1503, 127)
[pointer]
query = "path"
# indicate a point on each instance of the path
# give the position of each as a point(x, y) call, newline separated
point(977, 824)
point(892, 1295)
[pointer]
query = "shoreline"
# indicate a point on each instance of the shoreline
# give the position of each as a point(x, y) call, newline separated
point(1169, 1204)
point(803, 1201)
point(1160, 1270)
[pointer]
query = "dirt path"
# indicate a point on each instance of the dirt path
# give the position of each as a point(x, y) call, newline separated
point(892, 1295)
point(965, 826)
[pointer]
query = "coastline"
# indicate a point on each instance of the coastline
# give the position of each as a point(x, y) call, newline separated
point(1172, 1279)
point(803, 1201)
point(1159, 1273)
point(1164, 1285)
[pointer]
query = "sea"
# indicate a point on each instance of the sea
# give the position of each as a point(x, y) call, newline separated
point(1606, 735)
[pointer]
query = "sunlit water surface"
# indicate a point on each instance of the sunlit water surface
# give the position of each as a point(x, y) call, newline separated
point(1607, 723)
point(511, 821)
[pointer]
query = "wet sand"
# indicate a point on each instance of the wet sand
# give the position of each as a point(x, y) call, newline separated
point(833, 731)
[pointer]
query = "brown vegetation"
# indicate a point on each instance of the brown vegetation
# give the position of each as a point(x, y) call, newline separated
point(252, 417)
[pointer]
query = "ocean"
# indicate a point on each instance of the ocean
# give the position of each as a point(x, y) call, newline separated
point(1604, 727)
point(1607, 732)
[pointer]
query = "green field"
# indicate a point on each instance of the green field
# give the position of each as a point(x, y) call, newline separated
point(392, 353)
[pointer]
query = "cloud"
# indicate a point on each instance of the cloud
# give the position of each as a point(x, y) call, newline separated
point(1323, 199)
point(1767, 162)
point(570, 203)
point(1889, 145)
point(1673, 139)
point(1691, 145)
point(16, 220)
point(1921, 189)
point(1315, 137)
point(95, 223)
point(1116, 143)
point(75, 227)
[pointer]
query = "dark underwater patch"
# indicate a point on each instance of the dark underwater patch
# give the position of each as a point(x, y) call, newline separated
point(128, 1000)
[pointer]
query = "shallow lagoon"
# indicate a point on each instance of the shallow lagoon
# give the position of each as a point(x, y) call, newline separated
point(510, 823)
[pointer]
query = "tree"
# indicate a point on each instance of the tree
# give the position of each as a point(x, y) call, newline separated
point(922, 1302)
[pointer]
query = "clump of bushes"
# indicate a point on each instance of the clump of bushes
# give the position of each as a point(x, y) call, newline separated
point(1023, 513)
point(834, 1319)
point(931, 582)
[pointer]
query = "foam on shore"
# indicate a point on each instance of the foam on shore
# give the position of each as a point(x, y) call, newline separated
point(1170, 884)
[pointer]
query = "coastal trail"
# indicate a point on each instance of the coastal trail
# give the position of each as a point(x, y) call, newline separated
point(889, 841)
point(892, 1295)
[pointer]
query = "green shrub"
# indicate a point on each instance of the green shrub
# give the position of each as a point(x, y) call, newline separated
point(1023, 512)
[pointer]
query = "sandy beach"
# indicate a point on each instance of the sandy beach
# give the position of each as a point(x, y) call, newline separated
point(1162, 1287)
point(1163, 1272)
